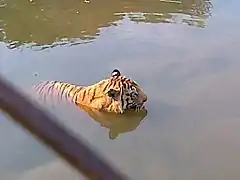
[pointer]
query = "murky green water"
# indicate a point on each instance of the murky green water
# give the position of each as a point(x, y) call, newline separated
point(185, 54)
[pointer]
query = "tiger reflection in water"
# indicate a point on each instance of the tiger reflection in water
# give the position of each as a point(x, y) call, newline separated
point(116, 123)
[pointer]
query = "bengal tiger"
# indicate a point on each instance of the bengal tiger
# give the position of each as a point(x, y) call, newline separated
point(116, 93)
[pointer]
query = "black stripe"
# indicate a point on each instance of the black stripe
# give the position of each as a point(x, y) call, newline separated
point(63, 90)
point(46, 88)
point(127, 85)
point(114, 83)
point(88, 91)
point(84, 93)
point(66, 94)
point(119, 84)
point(58, 87)
point(50, 89)
point(69, 92)
point(106, 86)
point(109, 85)
point(94, 92)
point(76, 92)
point(61, 85)
point(121, 98)
point(63, 93)
point(42, 86)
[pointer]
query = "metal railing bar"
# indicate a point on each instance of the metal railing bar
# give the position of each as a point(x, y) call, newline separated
point(46, 128)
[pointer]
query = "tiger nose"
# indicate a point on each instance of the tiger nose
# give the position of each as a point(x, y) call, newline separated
point(145, 99)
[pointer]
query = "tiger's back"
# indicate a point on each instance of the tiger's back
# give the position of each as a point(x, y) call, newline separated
point(114, 94)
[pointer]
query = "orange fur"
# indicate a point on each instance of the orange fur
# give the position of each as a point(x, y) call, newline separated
point(111, 94)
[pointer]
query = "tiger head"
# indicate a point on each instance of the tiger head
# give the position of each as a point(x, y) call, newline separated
point(125, 90)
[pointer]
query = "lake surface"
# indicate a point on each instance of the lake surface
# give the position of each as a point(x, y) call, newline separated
point(185, 55)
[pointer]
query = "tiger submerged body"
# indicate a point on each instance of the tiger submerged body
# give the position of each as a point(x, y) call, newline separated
point(114, 94)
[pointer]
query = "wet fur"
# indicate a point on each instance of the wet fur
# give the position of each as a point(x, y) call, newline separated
point(112, 94)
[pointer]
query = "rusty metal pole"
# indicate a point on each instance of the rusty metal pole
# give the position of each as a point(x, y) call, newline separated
point(45, 128)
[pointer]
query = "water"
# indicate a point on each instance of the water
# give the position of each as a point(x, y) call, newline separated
point(185, 55)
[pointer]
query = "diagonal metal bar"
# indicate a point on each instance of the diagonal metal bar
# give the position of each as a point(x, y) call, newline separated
point(45, 128)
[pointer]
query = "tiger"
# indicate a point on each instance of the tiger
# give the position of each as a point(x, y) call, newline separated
point(116, 93)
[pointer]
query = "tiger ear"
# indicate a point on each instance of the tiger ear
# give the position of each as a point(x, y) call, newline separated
point(113, 94)
point(115, 72)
